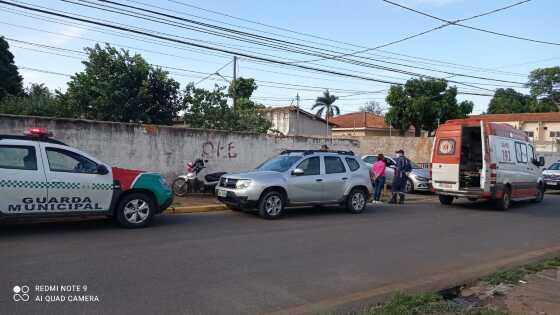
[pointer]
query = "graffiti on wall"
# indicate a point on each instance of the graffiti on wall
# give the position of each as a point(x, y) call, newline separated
point(211, 149)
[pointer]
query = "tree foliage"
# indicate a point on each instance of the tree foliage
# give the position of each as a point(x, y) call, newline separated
point(507, 101)
point(423, 104)
point(37, 100)
point(325, 105)
point(544, 84)
point(210, 109)
point(116, 86)
point(11, 83)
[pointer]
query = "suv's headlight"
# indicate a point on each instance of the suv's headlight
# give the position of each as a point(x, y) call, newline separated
point(243, 183)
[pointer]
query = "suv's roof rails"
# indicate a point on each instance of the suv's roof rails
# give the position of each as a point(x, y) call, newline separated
point(308, 152)
point(32, 138)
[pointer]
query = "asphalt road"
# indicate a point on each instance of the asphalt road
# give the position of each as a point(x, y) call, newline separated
point(237, 263)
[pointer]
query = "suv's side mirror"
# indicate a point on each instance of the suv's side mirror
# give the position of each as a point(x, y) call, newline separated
point(541, 161)
point(102, 169)
point(298, 172)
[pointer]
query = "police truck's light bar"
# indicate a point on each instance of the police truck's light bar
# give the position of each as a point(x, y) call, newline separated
point(39, 132)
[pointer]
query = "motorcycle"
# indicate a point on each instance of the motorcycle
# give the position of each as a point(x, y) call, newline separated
point(195, 181)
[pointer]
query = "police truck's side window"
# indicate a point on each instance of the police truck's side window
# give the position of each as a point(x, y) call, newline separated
point(66, 161)
point(18, 157)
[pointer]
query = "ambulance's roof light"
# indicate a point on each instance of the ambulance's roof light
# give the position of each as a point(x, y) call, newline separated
point(39, 132)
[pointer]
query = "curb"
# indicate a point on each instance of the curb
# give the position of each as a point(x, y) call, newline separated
point(195, 209)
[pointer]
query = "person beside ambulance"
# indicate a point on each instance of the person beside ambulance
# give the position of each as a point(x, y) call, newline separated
point(402, 168)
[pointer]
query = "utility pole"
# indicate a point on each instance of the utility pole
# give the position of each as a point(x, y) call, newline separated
point(297, 114)
point(234, 82)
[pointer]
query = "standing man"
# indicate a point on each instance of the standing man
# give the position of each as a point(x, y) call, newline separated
point(402, 168)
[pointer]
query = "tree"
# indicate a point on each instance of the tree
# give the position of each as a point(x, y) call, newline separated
point(37, 100)
point(544, 85)
point(372, 107)
point(209, 109)
point(242, 87)
point(116, 86)
point(423, 104)
point(325, 104)
point(507, 101)
point(11, 83)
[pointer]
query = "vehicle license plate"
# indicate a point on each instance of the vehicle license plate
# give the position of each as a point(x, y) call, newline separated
point(552, 183)
point(222, 193)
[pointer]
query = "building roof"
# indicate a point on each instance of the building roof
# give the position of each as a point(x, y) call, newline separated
point(293, 109)
point(360, 120)
point(550, 116)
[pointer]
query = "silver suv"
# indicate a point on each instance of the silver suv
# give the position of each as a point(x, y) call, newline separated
point(296, 178)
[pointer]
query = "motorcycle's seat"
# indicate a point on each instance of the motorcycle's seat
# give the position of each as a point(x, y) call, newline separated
point(214, 177)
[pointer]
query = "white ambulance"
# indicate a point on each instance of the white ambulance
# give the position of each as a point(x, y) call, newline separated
point(475, 159)
point(43, 177)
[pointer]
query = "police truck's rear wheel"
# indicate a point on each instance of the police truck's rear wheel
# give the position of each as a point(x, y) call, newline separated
point(505, 202)
point(446, 200)
point(135, 211)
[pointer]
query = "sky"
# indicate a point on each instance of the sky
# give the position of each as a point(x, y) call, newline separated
point(44, 43)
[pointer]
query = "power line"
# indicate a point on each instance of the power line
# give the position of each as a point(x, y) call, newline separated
point(182, 3)
point(285, 42)
point(211, 74)
point(446, 24)
point(472, 27)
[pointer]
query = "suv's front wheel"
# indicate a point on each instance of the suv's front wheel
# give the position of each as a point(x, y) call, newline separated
point(356, 202)
point(135, 211)
point(271, 205)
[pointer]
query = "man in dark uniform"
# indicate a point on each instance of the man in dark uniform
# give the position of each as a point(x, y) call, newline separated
point(402, 168)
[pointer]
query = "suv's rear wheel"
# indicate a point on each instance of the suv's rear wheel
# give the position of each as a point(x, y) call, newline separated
point(135, 211)
point(356, 202)
point(271, 205)
point(446, 200)
point(505, 202)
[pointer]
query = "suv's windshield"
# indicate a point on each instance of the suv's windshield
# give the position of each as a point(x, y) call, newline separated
point(279, 163)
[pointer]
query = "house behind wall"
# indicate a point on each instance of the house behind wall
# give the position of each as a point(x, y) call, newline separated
point(294, 121)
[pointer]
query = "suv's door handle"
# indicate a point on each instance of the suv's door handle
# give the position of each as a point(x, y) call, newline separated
point(318, 180)
point(344, 178)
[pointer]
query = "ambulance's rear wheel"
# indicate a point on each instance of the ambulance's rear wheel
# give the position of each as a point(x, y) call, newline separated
point(446, 200)
point(135, 211)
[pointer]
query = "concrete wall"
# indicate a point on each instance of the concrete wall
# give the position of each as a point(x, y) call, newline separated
point(418, 149)
point(166, 149)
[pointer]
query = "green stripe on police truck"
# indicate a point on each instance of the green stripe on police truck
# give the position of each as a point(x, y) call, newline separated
point(52, 185)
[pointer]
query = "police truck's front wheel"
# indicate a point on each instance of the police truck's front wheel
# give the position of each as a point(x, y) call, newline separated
point(135, 211)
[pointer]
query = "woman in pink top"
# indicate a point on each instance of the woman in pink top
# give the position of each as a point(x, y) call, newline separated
point(378, 177)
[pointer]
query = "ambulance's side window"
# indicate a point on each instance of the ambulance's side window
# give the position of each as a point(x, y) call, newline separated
point(521, 152)
point(66, 161)
point(17, 157)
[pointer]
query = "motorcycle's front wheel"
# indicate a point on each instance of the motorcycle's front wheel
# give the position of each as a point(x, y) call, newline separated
point(180, 187)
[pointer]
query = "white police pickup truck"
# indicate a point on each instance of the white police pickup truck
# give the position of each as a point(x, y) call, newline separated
point(43, 177)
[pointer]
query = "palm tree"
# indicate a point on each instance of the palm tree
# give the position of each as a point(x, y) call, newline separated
point(326, 105)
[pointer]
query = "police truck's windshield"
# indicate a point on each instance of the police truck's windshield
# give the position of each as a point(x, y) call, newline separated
point(279, 163)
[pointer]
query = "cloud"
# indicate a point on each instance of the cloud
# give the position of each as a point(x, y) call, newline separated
point(69, 31)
